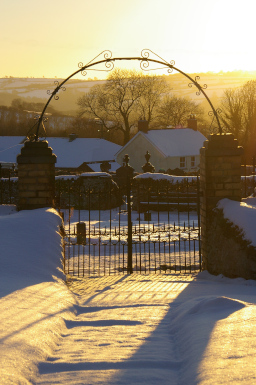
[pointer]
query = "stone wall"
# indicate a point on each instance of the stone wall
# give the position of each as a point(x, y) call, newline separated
point(220, 177)
point(36, 176)
point(228, 252)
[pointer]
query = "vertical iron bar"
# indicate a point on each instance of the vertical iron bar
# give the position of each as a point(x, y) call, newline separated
point(83, 259)
point(64, 256)
point(69, 207)
point(110, 214)
point(253, 172)
point(188, 204)
point(79, 200)
point(129, 261)
point(123, 257)
point(144, 249)
point(189, 250)
point(164, 242)
point(169, 242)
point(174, 256)
point(89, 218)
point(1, 186)
point(185, 255)
point(119, 223)
point(199, 223)
point(159, 248)
point(140, 250)
point(149, 255)
point(114, 258)
point(179, 250)
point(94, 258)
point(109, 259)
point(99, 237)
point(119, 266)
point(155, 254)
point(104, 258)
point(78, 258)
point(148, 207)
point(158, 211)
point(178, 186)
point(245, 179)
point(139, 208)
point(10, 189)
point(68, 252)
point(194, 253)
point(73, 259)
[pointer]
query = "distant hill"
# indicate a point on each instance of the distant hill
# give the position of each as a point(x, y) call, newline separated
point(216, 83)
point(35, 89)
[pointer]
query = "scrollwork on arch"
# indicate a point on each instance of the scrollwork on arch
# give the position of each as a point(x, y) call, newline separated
point(199, 87)
point(146, 59)
point(103, 57)
point(83, 72)
point(218, 111)
point(54, 92)
point(214, 114)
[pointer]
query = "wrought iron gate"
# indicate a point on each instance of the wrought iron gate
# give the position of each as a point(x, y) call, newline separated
point(161, 234)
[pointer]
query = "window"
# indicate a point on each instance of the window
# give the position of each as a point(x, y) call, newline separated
point(182, 162)
point(193, 161)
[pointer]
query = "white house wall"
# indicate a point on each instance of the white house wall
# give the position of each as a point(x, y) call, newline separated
point(174, 162)
point(137, 149)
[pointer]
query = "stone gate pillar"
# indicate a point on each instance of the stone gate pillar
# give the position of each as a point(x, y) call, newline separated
point(220, 177)
point(36, 176)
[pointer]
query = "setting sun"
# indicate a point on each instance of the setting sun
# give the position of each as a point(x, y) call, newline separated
point(49, 39)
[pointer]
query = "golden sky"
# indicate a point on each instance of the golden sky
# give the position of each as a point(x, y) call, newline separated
point(49, 37)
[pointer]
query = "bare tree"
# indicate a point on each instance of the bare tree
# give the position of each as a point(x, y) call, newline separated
point(126, 97)
point(239, 114)
point(154, 88)
point(174, 111)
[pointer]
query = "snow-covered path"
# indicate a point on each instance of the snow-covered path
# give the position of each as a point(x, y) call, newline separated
point(120, 334)
point(157, 329)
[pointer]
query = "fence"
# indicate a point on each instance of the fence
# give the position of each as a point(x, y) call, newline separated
point(9, 192)
point(8, 187)
point(149, 228)
point(248, 178)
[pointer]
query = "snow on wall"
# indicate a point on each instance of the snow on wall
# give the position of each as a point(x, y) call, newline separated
point(241, 214)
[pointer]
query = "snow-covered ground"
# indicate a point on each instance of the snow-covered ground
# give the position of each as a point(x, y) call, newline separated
point(137, 329)
point(34, 300)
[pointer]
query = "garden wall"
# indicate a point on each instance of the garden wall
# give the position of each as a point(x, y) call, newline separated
point(228, 251)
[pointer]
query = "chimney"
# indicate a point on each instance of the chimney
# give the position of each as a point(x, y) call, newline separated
point(143, 126)
point(192, 122)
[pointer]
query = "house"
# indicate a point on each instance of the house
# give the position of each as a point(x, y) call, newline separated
point(82, 154)
point(169, 148)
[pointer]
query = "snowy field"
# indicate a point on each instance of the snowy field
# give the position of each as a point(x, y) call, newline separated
point(132, 329)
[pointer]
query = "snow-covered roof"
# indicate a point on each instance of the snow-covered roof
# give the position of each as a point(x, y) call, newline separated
point(10, 147)
point(73, 154)
point(174, 142)
point(69, 154)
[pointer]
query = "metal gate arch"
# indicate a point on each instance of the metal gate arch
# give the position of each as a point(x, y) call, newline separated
point(147, 57)
point(145, 61)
